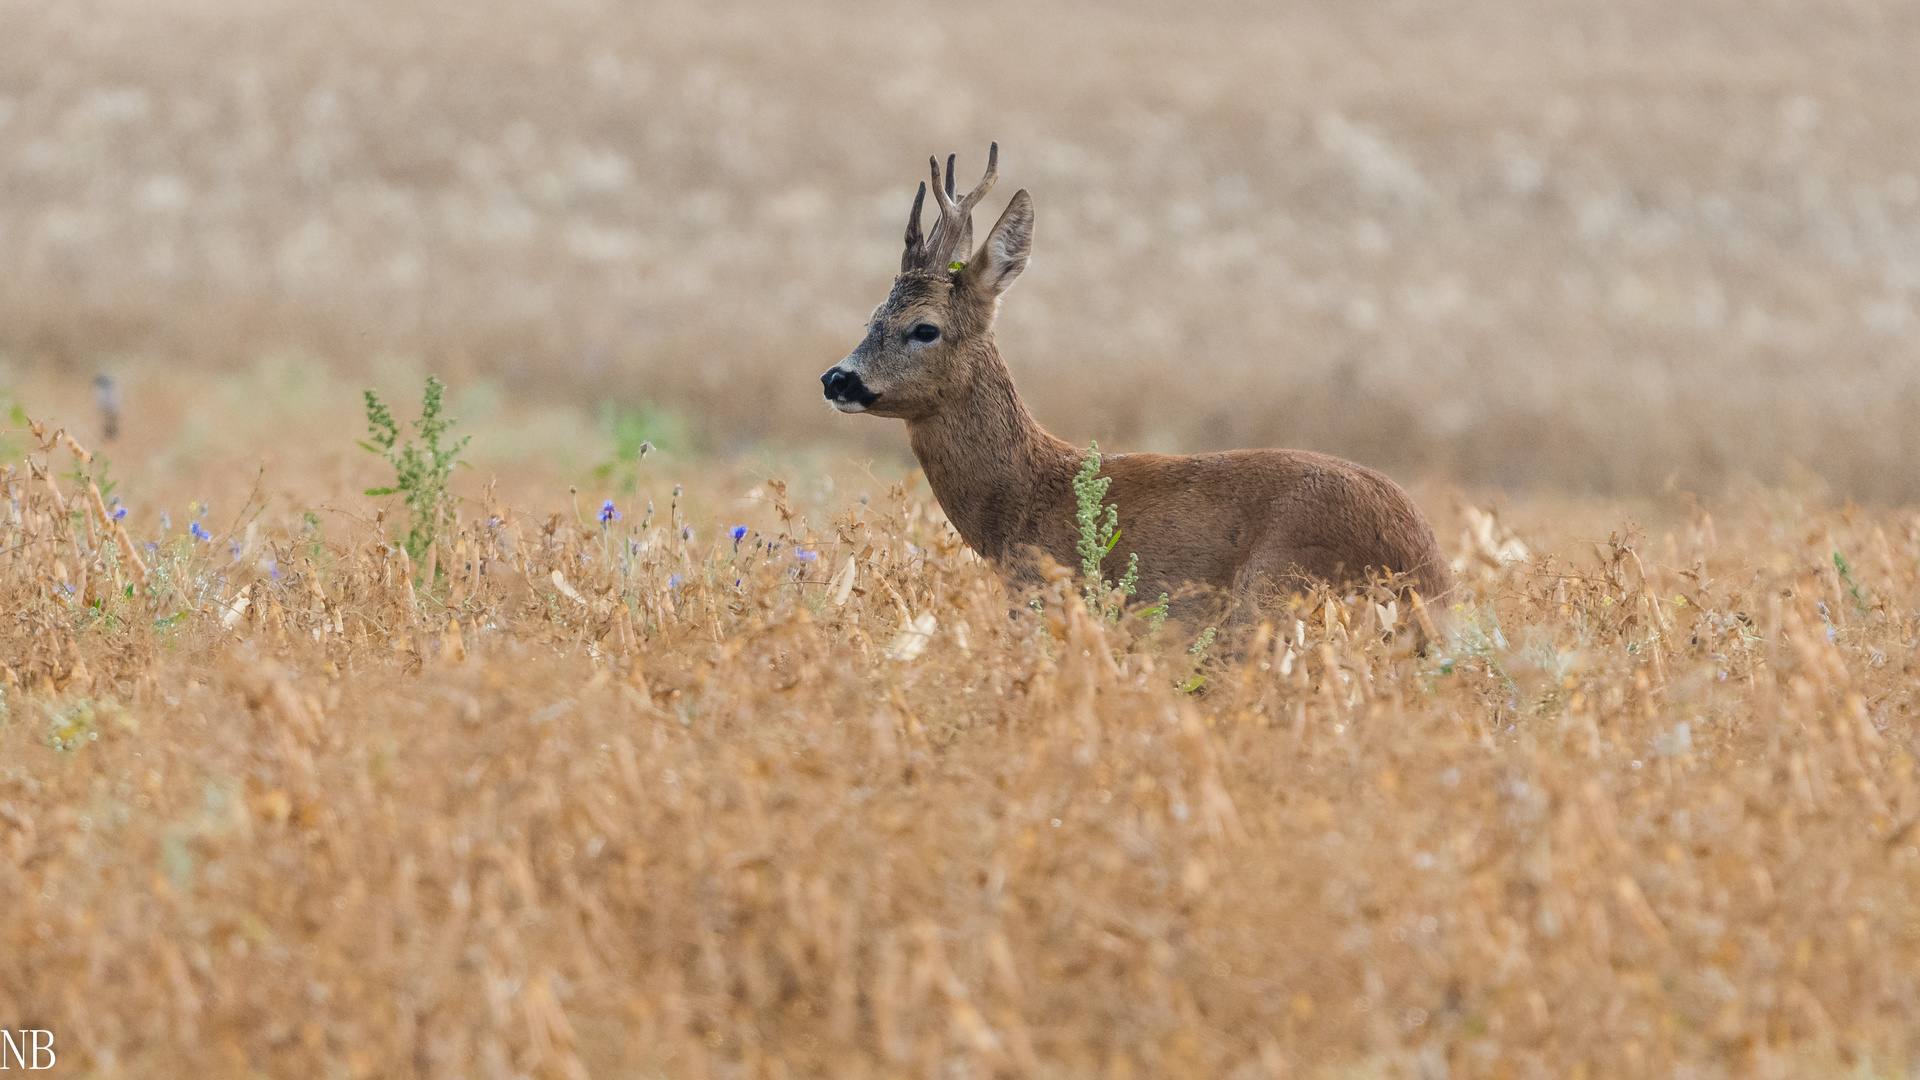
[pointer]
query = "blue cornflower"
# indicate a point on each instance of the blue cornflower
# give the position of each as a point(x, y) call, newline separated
point(273, 569)
point(738, 532)
point(236, 549)
point(608, 515)
point(198, 532)
point(804, 555)
point(151, 546)
point(673, 582)
point(119, 512)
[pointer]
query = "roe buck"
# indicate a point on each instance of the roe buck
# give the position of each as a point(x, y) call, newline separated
point(1240, 526)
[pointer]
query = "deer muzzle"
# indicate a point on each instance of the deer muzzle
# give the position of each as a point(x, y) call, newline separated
point(845, 391)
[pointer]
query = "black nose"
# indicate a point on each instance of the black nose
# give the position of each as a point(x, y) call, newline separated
point(846, 386)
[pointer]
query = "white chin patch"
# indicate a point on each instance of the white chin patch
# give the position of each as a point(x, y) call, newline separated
point(847, 406)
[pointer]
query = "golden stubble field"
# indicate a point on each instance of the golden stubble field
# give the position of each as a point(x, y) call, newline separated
point(563, 797)
point(638, 798)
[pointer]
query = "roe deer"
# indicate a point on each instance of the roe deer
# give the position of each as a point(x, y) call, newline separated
point(1241, 525)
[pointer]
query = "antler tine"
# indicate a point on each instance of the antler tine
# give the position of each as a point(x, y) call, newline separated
point(950, 159)
point(916, 247)
point(973, 197)
point(986, 180)
point(942, 193)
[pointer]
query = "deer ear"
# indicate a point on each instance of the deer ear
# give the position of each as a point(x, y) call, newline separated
point(1003, 254)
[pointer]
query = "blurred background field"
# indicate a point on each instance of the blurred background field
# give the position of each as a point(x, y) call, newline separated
point(1596, 246)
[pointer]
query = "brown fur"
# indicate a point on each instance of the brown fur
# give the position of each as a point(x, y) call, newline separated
point(1244, 525)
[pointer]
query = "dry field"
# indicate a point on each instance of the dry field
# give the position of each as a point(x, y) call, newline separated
point(564, 797)
point(643, 799)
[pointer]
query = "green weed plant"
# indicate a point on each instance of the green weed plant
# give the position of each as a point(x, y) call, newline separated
point(422, 463)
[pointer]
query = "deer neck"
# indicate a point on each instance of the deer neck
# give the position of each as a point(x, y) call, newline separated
point(990, 463)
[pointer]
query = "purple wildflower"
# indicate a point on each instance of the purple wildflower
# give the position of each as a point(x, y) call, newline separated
point(608, 515)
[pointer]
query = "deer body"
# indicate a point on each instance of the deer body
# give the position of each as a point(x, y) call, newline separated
point(1240, 526)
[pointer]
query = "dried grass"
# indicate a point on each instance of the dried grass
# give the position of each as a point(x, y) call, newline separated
point(643, 801)
point(626, 802)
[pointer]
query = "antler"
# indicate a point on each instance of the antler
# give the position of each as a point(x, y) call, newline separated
point(916, 248)
point(953, 234)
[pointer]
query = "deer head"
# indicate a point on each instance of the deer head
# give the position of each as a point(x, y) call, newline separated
point(924, 342)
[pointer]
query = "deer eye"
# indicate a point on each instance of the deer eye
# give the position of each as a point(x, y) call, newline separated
point(925, 332)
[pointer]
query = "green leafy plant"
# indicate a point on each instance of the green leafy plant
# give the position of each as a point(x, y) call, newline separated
point(1861, 601)
point(635, 433)
point(1155, 614)
point(1199, 653)
point(1099, 534)
point(10, 445)
point(93, 472)
point(313, 535)
point(422, 464)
